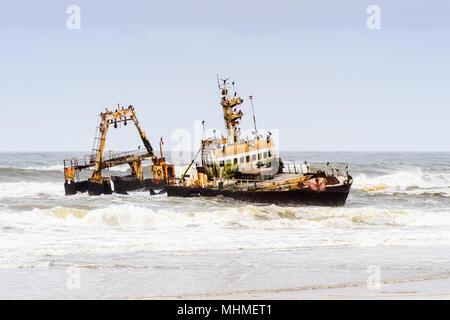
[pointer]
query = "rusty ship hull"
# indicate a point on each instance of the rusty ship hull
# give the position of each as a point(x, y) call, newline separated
point(123, 184)
point(333, 196)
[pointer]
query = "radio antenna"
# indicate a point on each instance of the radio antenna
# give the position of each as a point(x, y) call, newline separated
point(253, 111)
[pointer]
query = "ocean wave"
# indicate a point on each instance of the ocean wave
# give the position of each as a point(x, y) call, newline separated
point(129, 228)
point(33, 168)
point(55, 167)
point(29, 175)
point(60, 167)
point(413, 181)
point(249, 216)
point(26, 189)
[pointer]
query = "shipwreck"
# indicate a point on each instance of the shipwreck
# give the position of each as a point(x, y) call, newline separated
point(249, 169)
point(98, 160)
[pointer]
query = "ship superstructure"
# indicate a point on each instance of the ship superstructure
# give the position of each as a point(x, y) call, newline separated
point(249, 169)
point(236, 156)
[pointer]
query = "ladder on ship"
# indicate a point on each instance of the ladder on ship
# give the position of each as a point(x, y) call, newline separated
point(98, 140)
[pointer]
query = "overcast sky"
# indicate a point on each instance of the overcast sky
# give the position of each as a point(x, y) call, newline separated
point(317, 73)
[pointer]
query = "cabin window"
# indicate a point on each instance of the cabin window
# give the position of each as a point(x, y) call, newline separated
point(221, 163)
point(235, 161)
point(247, 159)
point(254, 157)
point(259, 156)
point(270, 154)
point(265, 155)
point(241, 160)
point(229, 162)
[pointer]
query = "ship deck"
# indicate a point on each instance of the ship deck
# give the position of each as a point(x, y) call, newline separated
point(280, 181)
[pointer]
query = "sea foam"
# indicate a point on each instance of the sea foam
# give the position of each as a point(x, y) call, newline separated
point(413, 181)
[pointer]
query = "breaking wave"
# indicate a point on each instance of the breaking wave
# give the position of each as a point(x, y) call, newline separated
point(413, 181)
point(121, 228)
point(31, 189)
point(249, 216)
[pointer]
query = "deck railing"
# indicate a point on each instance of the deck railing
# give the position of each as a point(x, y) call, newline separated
point(109, 156)
point(334, 169)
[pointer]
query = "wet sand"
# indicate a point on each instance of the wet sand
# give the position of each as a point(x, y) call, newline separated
point(430, 289)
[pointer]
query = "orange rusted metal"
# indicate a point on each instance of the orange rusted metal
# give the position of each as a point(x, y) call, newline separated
point(99, 160)
point(113, 117)
point(136, 170)
point(69, 174)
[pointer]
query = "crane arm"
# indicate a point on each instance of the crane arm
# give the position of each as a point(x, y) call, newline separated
point(189, 166)
point(143, 136)
point(113, 117)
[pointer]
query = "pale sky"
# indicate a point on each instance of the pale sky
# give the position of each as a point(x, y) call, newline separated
point(318, 74)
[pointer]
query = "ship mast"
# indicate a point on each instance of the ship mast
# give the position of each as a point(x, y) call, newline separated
point(230, 115)
point(254, 118)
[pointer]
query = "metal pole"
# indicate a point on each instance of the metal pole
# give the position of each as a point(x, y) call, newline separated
point(182, 176)
point(253, 111)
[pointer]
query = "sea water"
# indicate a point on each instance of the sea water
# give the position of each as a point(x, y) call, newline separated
point(396, 221)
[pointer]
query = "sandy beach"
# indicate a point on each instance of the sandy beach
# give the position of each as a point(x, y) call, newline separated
point(420, 289)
